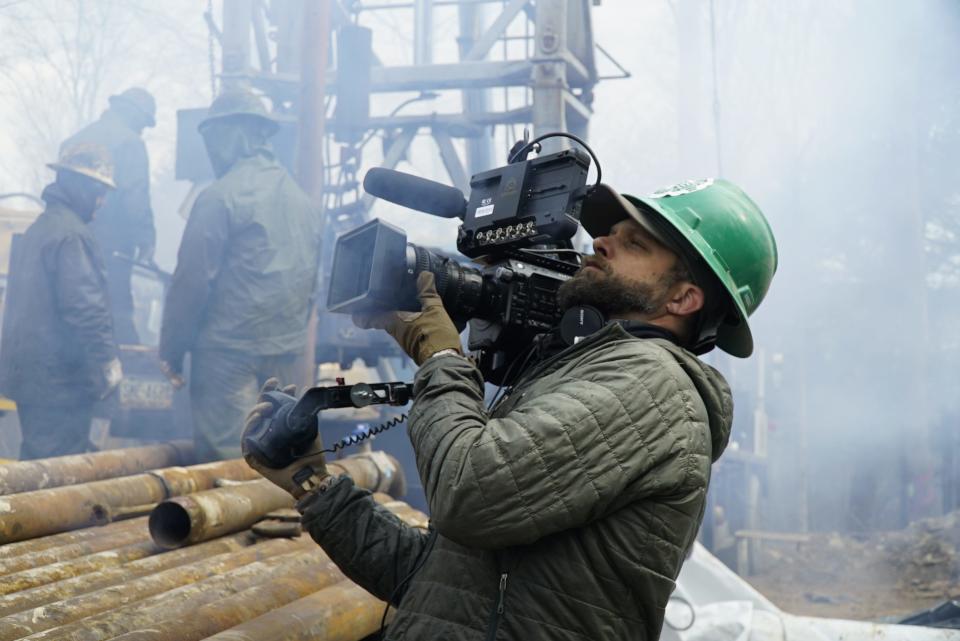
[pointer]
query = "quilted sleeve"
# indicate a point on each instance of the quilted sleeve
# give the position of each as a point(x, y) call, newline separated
point(573, 449)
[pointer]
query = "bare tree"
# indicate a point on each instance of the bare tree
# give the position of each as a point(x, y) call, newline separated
point(61, 59)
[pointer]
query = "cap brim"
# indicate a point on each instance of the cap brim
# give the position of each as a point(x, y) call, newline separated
point(604, 207)
point(736, 340)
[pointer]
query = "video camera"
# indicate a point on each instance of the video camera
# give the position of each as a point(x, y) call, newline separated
point(517, 226)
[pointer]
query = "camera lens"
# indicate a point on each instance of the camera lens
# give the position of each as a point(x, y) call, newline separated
point(465, 292)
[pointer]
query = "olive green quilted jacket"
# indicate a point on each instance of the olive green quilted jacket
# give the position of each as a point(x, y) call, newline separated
point(566, 515)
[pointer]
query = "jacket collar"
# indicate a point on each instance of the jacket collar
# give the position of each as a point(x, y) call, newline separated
point(57, 200)
point(609, 333)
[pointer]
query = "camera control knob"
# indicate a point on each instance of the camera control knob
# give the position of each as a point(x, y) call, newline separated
point(504, 274)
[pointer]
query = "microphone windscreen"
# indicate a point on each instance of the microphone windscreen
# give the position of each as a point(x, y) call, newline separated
point(416, 193)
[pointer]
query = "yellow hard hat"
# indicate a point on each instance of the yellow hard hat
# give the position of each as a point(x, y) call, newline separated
point(87, 159)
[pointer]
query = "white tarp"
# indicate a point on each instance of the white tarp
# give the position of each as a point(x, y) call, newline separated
point(712, 603)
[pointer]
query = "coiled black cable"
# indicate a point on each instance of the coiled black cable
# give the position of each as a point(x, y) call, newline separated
point(356, 439)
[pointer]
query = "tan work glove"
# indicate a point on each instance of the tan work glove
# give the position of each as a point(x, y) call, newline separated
point(421, 334)
point(309, 471)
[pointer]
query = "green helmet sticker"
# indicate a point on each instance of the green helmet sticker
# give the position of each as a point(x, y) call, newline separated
point(686, 187)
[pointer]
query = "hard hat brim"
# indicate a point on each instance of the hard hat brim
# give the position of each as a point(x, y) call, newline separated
point(83, 172)
point(272, 125)
point(605, 207)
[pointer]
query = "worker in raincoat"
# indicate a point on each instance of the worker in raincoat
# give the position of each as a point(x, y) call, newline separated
point(124, 223)
point(58, 355)
point(242, 291)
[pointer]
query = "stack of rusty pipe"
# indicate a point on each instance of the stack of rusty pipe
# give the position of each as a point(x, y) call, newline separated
point(33, 514)
point(183, 520)
point(222, 581)
point(25, 476)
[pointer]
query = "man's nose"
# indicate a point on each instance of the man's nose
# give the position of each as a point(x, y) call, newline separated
point(602, 246)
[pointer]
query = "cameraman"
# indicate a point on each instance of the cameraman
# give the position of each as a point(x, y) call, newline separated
point(566, 511)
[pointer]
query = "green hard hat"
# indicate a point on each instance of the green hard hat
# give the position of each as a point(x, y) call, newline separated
point(141, 100)
point(239, 102)
point(87, 159)
point(713, 220)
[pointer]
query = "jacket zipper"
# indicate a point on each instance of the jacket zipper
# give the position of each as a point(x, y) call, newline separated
point(498, 611)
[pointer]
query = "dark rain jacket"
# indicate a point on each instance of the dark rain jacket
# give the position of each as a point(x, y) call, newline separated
point(57, 327)
point(247, 266)
point(566, 515)
point(125, 220)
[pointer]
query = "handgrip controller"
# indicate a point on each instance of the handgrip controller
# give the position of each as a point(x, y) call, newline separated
point(277, 441)
point(291, 430)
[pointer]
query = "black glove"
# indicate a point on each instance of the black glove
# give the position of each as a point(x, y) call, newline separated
point(266, 436)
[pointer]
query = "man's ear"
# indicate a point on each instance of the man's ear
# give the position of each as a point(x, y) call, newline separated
point(687, 299)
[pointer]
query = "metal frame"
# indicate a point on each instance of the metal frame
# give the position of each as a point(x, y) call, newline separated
point(260, 40)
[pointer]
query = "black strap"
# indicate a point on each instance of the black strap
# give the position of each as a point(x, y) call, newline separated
point(639, 329)
point(580, 321)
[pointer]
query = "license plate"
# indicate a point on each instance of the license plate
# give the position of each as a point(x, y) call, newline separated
point(145, 394)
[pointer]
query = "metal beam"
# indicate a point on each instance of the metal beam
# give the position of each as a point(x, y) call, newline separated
point(393, 156)
point(260, 35)
point(457, 125)
point(576, 109)
point(451, 159)
point(423, 32)
point(458, 75)
point(287, 16)
point(475, 101)
point(578, 116)
point(483, 45)
point(236, 41)
point(579, 40)
point(550, 78)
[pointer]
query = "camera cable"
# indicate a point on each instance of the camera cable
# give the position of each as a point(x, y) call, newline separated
point(356, 438)
point(521, 153)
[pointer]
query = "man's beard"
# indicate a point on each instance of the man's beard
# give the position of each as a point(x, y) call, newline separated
point(609, 293)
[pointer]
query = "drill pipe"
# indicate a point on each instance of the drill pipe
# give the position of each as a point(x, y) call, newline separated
point(11, 550)
point(184, 520)
point(26, 476)
point(106, 541)
point(345, 611)
point(66, 588)
point(221, 602)
point(32, 514)
point(26, 579)
point(228, 612)
point(205, 515)
point(84, 605)
point(342, 612)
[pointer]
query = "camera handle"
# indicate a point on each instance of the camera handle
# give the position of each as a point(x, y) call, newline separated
point(280, 441)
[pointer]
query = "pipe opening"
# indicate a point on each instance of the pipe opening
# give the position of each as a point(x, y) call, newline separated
point(101, 514)
point(169, 525)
